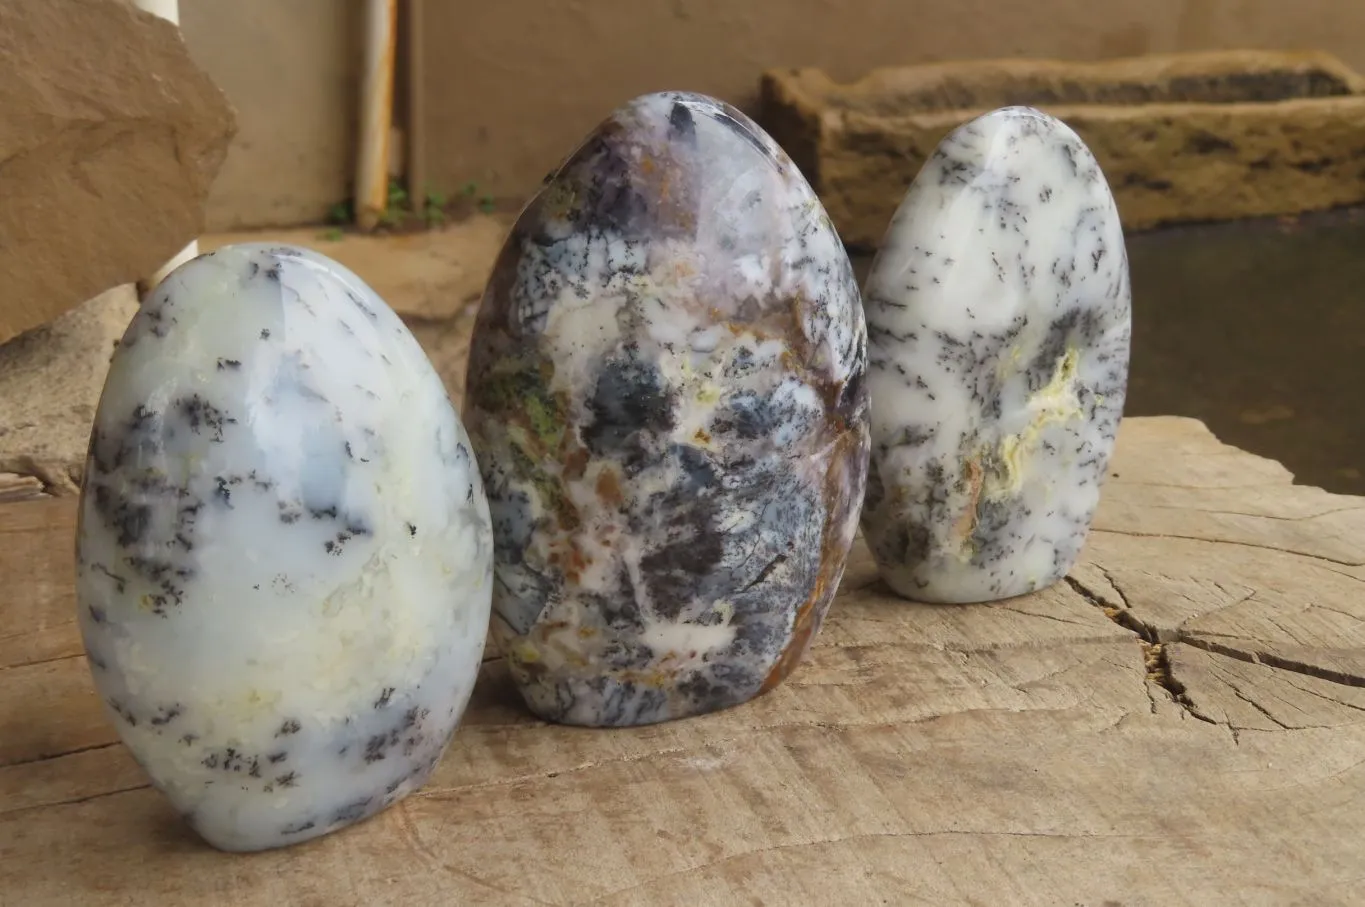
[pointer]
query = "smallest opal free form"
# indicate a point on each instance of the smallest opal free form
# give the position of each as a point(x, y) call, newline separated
point(284, 557)
point(998, 311)
point(667, 399)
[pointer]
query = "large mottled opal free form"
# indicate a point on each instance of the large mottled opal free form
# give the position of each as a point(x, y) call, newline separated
point(667, 400)
point(998, 332)
point(285, 555)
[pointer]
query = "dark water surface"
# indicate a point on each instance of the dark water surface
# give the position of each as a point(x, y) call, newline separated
point(1258, 329)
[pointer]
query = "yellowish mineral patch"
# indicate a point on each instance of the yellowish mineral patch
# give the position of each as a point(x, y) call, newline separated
point(1057, 402)
point(998, 473)
point(560, 200)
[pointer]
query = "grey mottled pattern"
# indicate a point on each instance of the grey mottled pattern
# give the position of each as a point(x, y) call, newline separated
point(999, 322)
point(284, 559)
point(667, 400)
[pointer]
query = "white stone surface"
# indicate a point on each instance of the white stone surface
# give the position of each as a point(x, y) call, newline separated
point(285, 555)
point(998, 314)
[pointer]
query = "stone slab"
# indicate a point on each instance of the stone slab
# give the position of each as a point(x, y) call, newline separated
point(1181, 138)
point(110, 139)
point(50, 383)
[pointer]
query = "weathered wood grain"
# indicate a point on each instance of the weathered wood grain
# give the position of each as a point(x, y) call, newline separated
point(1181, 722)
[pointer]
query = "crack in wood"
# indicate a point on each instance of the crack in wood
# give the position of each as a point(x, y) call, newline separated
point(1124, 616)
point(1154, 656)
point(74, 800)
point(1331, 610)
point(1268, 659)
point(46, 757)
point(983, 649)
point(1257, 516)
point(14, 666)
point(1237, 691)
point(1216, 541)
point(1323, 696)
point(1160, 671)
point(1155, 636)
point(1109, 578)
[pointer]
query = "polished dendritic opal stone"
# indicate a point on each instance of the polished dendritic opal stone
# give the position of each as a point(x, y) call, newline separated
point(666, 394)
point(998, 316)
point(284, 558)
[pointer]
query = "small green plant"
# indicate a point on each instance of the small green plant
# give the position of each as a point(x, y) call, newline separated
point(396, 208)
point(333, 234)
point(470, 189)
point(434, 209)
point(340, 213)
point(486, 204)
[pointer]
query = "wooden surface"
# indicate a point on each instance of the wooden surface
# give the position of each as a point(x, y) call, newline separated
point(1181, 722)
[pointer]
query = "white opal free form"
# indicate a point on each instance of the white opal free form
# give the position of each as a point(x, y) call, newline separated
point(998, 312)
point(284, 553)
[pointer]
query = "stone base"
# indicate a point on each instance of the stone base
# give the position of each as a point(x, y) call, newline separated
point(15, 487)
point(50, 383)
point(1188, 137)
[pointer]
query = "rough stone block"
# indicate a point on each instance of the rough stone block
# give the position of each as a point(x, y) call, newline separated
point(109, 141)
point(50, 383)
point(1187, 137)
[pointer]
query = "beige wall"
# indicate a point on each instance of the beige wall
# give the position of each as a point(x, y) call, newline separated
point(511, 86)
point(291, 69)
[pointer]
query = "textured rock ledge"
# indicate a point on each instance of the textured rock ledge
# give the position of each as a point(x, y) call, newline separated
point(50, 382)
point(104, 179)
point(1254, 133)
